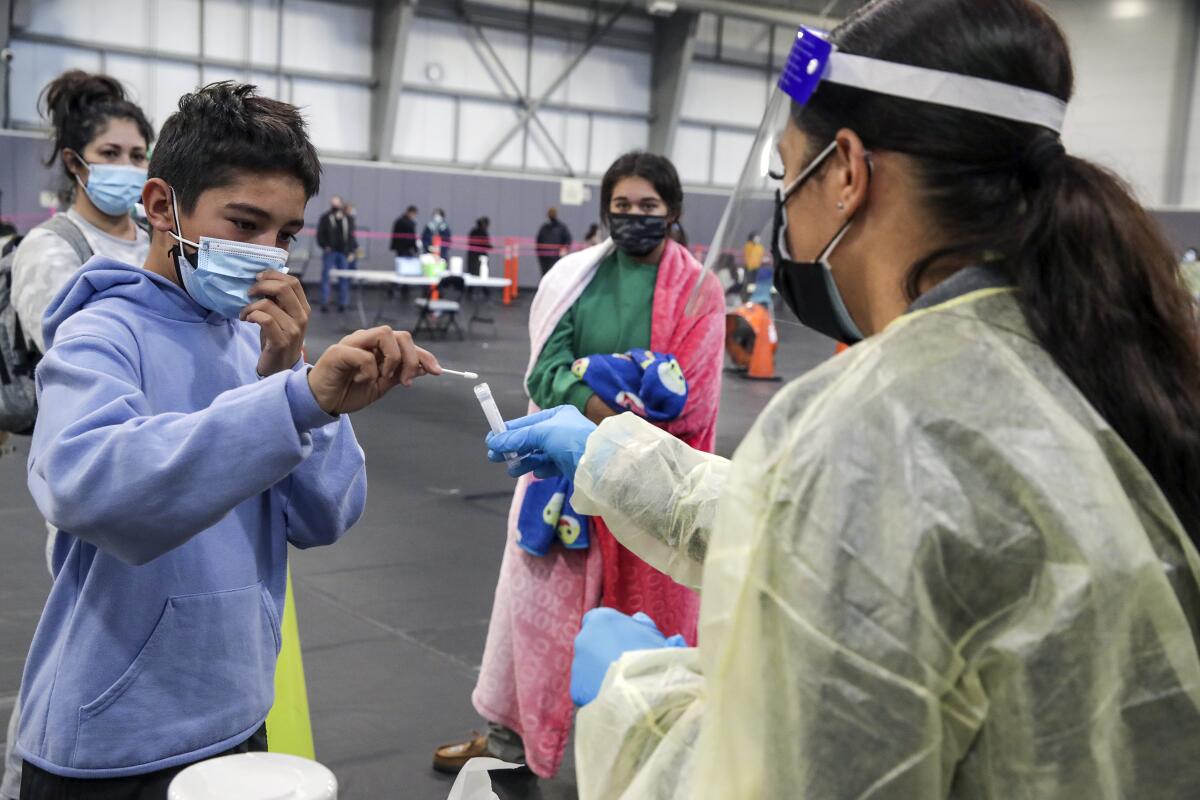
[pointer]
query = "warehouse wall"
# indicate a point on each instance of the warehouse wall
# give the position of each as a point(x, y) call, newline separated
point(443, 58)
point(1125, 54)
point(515, 204)
point(330, 41)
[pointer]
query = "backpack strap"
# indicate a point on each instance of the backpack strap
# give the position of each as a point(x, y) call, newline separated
point(62, 226)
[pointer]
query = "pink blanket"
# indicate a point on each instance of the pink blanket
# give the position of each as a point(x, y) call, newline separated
point(526, 671)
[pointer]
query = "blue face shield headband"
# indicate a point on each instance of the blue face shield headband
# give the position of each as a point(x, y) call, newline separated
point(808, 287)
point(814, 60)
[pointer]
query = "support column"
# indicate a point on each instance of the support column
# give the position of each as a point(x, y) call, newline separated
point(675, 39)
point(1179, 129)
point(6, 17)
point(393, 21)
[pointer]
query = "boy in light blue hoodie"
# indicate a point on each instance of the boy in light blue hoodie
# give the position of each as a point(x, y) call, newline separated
point(181, 444)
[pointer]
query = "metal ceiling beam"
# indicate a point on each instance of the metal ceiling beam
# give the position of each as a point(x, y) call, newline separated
point(676, 36)
point(521, 98)
point(392, 22)
point(543, 25)
point(549, 105)
point(183, 58)
point(777, 16)
point(531, 108)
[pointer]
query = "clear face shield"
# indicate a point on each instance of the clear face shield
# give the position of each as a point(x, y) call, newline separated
point(755, 213)
point(748, 216)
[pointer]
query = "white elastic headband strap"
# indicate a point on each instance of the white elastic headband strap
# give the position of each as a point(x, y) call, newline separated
point(947, 89)
point(179, 236)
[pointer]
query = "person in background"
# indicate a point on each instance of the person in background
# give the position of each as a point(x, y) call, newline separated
point(753, 253)
point(553, 241)
point(638, 290)
point(479, 244)
point(742, 275)
point(404, 242)
point(357, 255)
point(1189, 265)
point(8, 236)
point(592, 237)
point(757, 268)
point(678, 234)
point(335, 237)
point(437, 229)
point(100, 141)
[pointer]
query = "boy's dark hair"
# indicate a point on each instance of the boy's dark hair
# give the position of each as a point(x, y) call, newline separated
point(656, 169)
point(225, 129)
point(410, 210)
point(80, 104)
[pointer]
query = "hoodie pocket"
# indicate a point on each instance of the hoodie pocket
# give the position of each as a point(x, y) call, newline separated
point(205, 674)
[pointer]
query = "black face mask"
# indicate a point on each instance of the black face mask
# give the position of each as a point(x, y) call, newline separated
point(807, 287)
point(637, 234)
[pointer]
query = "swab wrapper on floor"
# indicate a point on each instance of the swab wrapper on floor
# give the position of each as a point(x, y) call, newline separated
point(474, 782)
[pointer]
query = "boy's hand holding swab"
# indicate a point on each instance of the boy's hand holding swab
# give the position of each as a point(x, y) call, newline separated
point(365, 366)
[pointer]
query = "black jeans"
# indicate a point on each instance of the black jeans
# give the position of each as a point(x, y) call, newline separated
point(37, 784)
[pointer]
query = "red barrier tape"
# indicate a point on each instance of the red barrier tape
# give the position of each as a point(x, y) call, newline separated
point(526, 246)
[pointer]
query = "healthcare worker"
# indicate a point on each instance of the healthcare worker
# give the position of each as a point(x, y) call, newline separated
point(958, 559)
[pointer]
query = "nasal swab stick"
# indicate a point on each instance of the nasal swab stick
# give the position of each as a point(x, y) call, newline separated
point(492, 412)
point(471, 376)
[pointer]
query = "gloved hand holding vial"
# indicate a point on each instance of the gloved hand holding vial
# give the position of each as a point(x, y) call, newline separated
point(495, 419)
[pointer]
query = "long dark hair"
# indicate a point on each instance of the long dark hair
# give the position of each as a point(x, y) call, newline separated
point(1096, 279)
point(79, 105)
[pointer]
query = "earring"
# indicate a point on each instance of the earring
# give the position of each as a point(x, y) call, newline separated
point(841, 206)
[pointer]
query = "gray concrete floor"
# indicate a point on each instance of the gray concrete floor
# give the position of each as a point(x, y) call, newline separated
point(392, 618)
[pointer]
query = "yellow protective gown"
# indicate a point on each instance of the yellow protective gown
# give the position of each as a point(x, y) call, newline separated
point(932, 571)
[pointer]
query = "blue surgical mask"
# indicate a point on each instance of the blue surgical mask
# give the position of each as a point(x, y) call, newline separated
point(220, 273)
point(113, 188)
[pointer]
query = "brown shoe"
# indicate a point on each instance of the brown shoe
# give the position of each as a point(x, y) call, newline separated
point(450, 758)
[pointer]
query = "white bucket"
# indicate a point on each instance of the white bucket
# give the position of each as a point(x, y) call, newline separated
point(255, 776)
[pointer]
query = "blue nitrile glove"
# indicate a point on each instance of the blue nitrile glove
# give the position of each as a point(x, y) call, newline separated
point(606, 635)
point(550, 442)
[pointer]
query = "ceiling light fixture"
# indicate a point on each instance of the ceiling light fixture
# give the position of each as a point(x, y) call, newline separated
point(1129, 9)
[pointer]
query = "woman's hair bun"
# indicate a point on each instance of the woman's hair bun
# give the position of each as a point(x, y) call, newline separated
point(75, 91)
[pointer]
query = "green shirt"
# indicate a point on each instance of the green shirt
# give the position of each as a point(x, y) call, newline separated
point(611, 316)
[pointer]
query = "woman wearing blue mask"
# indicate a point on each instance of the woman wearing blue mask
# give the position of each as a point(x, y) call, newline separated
point(101, 140)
